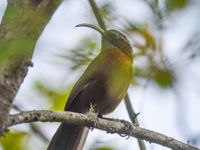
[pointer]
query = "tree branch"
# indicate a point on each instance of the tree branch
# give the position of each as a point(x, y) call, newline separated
point(18, 35)
point(97, 14)
point(10, 82)
point(134, 120)
point(98, 123)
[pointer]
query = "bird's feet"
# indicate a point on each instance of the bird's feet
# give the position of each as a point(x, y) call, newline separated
point(92, 117)
point(128, 126)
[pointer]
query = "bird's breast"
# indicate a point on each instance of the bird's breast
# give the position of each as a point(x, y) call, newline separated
point(117, 72)
point(105, 81)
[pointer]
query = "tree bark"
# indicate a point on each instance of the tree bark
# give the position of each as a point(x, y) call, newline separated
point(109, 125)
point(21, 26)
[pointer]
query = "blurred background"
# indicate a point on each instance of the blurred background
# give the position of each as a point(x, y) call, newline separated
point(165, 89)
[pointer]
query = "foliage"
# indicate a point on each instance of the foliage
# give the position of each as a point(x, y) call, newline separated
point(84, 53)
point(57, 98)
point(104, 148)
point(14, 141)
point(172, 5)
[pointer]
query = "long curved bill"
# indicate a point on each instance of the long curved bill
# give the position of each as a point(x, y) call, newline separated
point(91, 26)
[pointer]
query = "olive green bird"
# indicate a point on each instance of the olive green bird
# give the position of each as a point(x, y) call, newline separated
point(103, 84)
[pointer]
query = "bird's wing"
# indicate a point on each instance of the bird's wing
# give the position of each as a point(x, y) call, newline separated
point(85, 80)
point(79, 87)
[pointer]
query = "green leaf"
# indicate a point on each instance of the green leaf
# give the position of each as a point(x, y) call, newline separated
point(150, 41)
point(163, 77)
point(104, 148)
point(84, 53)
point(172, 5)
point(57, 99)
point(14, 141)
point(106, 10)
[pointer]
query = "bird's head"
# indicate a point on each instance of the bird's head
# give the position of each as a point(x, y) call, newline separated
point(112, 38)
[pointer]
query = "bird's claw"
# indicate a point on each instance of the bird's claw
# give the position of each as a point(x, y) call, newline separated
point(129, 127)
point(92, 116)
point(127, 124)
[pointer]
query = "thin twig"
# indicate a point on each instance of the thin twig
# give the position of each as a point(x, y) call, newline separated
point(109, 126)
point(134, 120)
point(97, 14)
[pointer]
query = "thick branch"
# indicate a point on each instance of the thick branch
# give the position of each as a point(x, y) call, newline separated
point(21, 26)
point(102, 124)
point(10, 82)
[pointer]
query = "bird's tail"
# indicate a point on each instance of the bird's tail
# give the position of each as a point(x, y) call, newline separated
point(69, 137)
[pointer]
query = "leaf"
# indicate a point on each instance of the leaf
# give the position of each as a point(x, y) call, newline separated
point(162, 77)
point(84, 53)
point(148, 37)
point(104, 148)
point(172, 5)
point(57, 99)
point(106, 10)
point(14, 141)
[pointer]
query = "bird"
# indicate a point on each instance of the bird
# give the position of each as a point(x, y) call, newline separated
point(103, 85)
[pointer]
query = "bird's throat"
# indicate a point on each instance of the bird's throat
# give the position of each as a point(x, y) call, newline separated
point(105, 45)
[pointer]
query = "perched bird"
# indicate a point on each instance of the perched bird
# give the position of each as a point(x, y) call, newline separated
point(103, 84)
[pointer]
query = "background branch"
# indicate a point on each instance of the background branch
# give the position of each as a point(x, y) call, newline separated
point(97, 14)
point(134, 120)
point(98, 123)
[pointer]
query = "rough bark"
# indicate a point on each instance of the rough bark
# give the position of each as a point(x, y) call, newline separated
point(21, 26)
point(109, 125)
